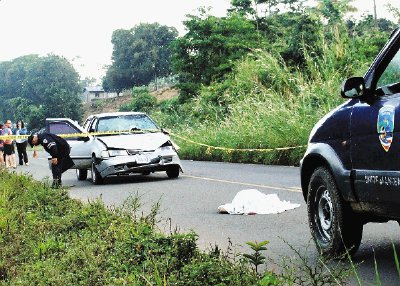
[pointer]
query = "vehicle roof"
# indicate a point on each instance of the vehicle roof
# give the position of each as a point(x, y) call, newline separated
point(108, 114)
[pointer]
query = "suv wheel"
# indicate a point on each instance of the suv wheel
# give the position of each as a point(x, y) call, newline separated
point(81, 174)
point(335, 229)
point(97, 179)
point(173, 172)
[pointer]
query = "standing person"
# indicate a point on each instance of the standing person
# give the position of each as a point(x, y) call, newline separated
point(2, 155)
point(59, 150)
point(21, 143)
point(9, 146)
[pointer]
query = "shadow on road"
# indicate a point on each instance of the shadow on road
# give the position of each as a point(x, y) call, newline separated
point(136, 178)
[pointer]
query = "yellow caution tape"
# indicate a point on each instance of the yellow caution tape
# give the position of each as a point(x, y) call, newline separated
point(208, 150)
point(73, 135)
point(210, 147)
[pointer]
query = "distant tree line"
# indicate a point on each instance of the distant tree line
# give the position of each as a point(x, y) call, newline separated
point(212, 45)
point(33, 88)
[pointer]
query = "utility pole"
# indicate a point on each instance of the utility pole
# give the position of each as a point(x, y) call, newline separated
point(375, 17)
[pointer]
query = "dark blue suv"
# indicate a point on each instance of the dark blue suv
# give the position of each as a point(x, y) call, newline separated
point(350, 173)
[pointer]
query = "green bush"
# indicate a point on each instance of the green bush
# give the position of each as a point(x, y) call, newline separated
point(142, 101)
point(46, 238)
point(267, 104)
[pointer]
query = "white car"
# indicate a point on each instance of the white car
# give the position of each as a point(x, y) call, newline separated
point(118, 143)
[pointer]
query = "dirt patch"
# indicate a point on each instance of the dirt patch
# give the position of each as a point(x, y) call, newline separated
point(165, 93)
point(113, 104)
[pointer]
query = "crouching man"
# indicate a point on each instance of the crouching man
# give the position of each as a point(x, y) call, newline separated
point(59, 150)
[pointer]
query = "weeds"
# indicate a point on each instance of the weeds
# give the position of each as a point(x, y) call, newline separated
point(46, 238)
point(300, 270)
point(265, 103)
point(256, 258)
point(396, 260)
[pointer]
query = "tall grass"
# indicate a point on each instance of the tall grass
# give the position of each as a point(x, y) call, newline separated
point(46, 238)
point(264, 104)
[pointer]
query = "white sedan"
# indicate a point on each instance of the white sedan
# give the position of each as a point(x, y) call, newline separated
point(118, 143)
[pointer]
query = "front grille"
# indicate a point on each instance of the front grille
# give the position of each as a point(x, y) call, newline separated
point(167, 159)
point(133, 152)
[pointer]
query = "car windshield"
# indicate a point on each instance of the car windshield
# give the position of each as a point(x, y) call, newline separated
point(132, 122)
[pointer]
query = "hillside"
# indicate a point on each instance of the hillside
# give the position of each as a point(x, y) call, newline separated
point(113, 104)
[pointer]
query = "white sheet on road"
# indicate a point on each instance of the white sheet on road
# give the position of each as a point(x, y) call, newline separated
point(254, 202)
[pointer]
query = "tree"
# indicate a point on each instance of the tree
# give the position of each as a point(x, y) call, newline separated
point(395, 12)
point(140, 55)
point(290, 32)
point(209, 49)
point(334, 10)
point(33, 85)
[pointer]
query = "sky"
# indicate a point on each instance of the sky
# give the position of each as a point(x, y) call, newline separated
point(80, 30)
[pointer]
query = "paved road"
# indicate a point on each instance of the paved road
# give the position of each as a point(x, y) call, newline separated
point(191, 201)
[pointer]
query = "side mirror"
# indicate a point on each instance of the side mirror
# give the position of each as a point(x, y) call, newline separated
point(353, 87)
point(165, 131)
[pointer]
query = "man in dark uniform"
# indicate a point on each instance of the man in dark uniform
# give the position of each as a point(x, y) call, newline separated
point(59, 150)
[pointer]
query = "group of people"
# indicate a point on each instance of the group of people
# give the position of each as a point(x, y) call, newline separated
point(7, 146)
point(58, 148)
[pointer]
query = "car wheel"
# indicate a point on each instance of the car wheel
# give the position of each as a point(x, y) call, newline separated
point(173, 172)
point(334, 228)
point(97, 179)
point(81, 174)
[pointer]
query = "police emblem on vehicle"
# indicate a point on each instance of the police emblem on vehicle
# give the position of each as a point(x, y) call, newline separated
point(385, 126)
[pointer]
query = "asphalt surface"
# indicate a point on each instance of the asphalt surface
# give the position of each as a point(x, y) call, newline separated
point(191, 201)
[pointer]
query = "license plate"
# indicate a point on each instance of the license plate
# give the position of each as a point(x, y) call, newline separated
point(142, 159)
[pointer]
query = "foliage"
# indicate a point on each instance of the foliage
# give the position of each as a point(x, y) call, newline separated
point(334, 10)
point(256, 258)
point(317, 271)
point(142, 101)
point(206, 53)
point(264, 104)
point(289, 33)
point(140, 55)
point(273, 94)
point(395, 12)
point(31, 86)
point(47, 239)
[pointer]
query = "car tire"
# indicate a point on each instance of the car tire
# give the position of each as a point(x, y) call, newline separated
point(334, 227)
point(81, 174)
point(97, 179)
point(173, 172)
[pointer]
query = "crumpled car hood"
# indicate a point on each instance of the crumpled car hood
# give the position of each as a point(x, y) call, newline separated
point(138, 141)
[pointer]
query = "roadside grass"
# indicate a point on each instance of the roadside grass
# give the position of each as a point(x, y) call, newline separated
point(263, 104)
point(46, 238)
point(49, 239)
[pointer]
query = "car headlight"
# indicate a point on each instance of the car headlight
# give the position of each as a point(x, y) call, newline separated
point(114, 153)
point(166, 148)
point(104, 154)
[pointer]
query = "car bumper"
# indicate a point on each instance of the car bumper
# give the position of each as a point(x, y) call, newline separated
point(133, 164)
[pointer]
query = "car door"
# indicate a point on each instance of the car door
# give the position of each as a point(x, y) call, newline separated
point(81, 146)
point(375, 140)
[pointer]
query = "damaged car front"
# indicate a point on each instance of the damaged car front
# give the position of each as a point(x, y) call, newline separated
point(137, 153)
point(123, 143)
